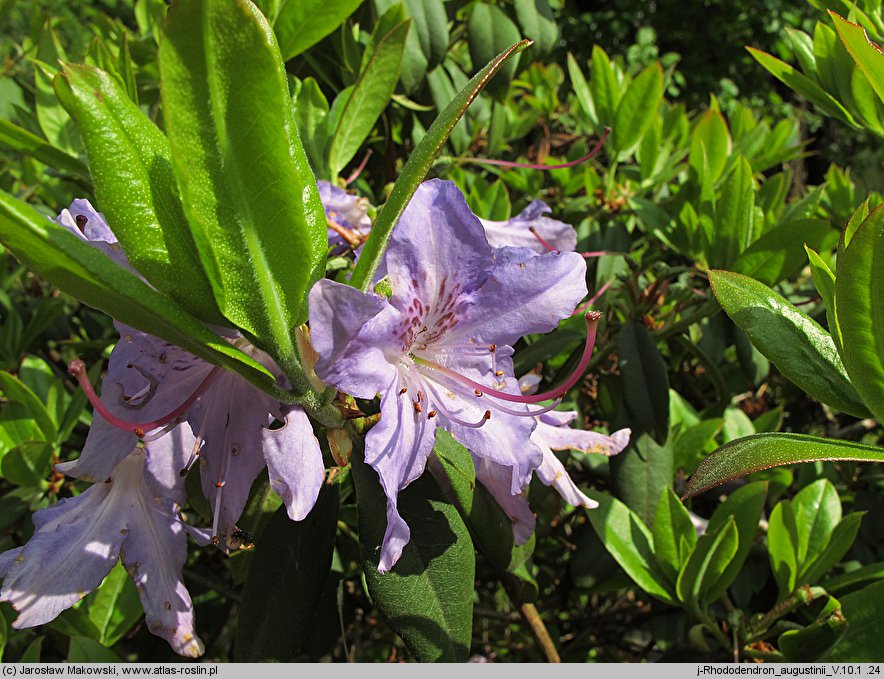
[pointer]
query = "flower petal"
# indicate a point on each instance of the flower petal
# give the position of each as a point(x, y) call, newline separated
point(294, 463)
point(516, 232)
point(397, 447)
point(353, 332)
point(553, 432)
point(498, 479)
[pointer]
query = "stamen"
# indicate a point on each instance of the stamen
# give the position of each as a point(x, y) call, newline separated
point(403, 390)
point(358, 171)
point(352, 238)
point(595, 298)
point(77, 369)
point(220, 483)
point(536, 166)
point(160, 432)
point(543, 242)
point(454, 418)
point(592, 321)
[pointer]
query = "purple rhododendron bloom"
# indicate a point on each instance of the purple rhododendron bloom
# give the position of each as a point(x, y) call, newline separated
point(439, 350)
point(532, 229)
point(133, 515)
point(347, 215)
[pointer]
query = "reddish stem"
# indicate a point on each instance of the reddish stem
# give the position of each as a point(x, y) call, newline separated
point(535, 166)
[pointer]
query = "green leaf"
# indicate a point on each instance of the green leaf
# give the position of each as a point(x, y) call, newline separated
point(289, 569)
point(417, 166)
point(745, 505)
point(824, 282)
point(645, 381)
point(763, 451)
point(782, 546)
point(672, 523)
point(311, 117)
point(637, 109)
point(855, 579)
point(817, 511)
point(28, 464)
point(84, 649)
point(538, 24)
point(814, 641)
point(88, 274)
point(630, 543)
point(733, 214)
point(803, 86)
point(706, 564)
point(641, 472)
point(247, 188)
point(864, 611)
point(603, 85)
point(427, 598)
point(371, 93)
point(114, 607)
point(4, 635)
point(33, 651)
point(791, 340)
point(490, 527)
point(17, 426)
point(859, 286)
point(490, 31)
point(16, 390)
point(55, 123)
point(867, 55)
point(300, 24)
point(710, 137)
point(840, 541)
point(20, 140)
point(131, 167)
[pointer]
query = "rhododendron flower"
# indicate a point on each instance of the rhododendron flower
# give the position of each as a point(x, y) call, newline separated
point(133, 515)
point(347, 215)
point(533, 230)
point(439, 350)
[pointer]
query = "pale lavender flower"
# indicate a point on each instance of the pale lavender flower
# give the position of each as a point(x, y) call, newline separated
point(347, 212)
point(439, 350)
point(531, 229)
point(132, 515)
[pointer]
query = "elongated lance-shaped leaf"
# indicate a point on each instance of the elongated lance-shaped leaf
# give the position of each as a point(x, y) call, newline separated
point(417, 166)
point(302, 23)
point(20, 140)
point(791, 340)
point(859, 287)
point(867, 55)
point(89, 275)
point(131, 166)
point(763, 451)
point(247, 188)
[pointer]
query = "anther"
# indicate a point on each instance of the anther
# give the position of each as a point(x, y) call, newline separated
point(487, 415)
point(477, 393)
point(81, 221)
point(403, 390)
point(220, 484)
point(431, 414)
point(498, 373)
point(492, 348)
point(139, 432)
point(417, 407)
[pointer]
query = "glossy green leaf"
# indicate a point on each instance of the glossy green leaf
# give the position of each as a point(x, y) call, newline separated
point(803, 86)
point(86, 650)
point(782, 546)
point(641, 472)
point(603, 85)
point(88, 274)
point(706, 564)
point(630, 542)
point(418, 165)
point(21, 141)
point(763, 451)
point(839, 543)
point(114, 608)
point(131, 167)
point(28, 464)
point(300, 24)
point(637, 109)
point(859, 287)
point(4, 636)
point(864, 611)
point(745, 505)
point(824, 282)
point(817, 511)
point(371, 93)
point(491, 529)
point(427, 598)
point(645, 381)
point(814, 641)
point(538, 24)
point(791, 340)
point(672, 523)
point(33, 651)
point(311, 117)
point(733, 214)
point(710, 137)
point(490, 31)
point(867, 55)
point(248, 191)
point(290, 567)
point(54, 122)
point(855, 579)
point(16, 390)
